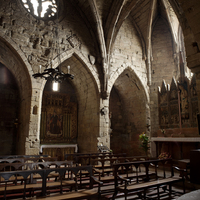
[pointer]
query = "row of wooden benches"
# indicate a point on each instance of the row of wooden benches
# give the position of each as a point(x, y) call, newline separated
point(24, 160)
point(88, 158)
point(33, 165)
point(131, 182)
point(44, 185)
point(128, 173)
point(22, 156)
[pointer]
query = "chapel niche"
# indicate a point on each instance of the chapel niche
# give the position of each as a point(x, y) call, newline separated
point(59, 115)
point(128, 114)
point(9, 107)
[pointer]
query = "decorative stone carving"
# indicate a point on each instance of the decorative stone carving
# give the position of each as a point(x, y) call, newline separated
point(74, 41)
point(91, 59)
point(39, 41)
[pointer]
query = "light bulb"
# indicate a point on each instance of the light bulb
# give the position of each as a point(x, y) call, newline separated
point(55, 86)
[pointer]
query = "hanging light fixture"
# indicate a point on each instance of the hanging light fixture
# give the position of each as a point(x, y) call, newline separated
point(55, 75)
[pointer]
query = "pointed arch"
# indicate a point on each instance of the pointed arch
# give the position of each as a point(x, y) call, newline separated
point(90, 68)
point(87, 87)
point(119, 72)
point(129, 106)
point(12, 58)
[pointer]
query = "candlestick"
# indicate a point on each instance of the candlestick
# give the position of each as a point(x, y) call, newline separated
point(68, 69)
point(40, 66)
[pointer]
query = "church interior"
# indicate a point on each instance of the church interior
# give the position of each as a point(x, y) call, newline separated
point(101, 76)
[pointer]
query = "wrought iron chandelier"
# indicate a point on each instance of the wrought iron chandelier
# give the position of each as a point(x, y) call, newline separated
point(54, 74)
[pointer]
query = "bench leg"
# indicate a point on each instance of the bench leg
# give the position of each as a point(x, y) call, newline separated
point(144, 193)
point(184, 186)
point(158, 192)
point(114, 195)
point(125, 195)
point(170, 191)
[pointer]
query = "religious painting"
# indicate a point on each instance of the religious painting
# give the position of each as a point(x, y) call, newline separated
point(54, 124)
point(58, 119)
point(180, 110)
point(183, 87)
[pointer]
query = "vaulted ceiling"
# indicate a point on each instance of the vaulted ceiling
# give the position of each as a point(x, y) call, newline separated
point(105, 17)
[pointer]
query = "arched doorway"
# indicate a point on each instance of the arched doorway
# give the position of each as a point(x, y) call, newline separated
point(9, 107)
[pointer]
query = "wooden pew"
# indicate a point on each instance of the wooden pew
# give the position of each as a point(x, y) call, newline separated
point(105, 166)
point(22, 156)
point(12, 160)
point(87, 159)
point(139, 185)
point(45, 186)
point(76, 157)
point(23, 160)
point(34, 166)
point(104, 170)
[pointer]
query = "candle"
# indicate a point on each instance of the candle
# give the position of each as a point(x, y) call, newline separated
point(68, 69)
point(40, 66)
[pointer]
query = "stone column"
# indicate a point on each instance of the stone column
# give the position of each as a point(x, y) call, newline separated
point(32, 141)
point(104, 136)
point(198, 87)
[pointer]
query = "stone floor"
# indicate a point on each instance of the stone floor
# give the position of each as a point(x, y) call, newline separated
point(194, 195)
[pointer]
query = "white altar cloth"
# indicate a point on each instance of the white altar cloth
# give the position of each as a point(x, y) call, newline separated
point(58, 146)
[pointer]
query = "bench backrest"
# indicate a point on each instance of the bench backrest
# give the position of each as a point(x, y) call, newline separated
point(76, 156)
point(26, 174)
point(34, 165)
point(86, 159)
point(22, 156)
point(31, 159)
point(135, 166)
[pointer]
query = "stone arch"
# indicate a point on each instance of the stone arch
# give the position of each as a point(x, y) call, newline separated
point(87, 89)
point(129, 106)
point(12, 58)
point(118, 72)
point(90, 68)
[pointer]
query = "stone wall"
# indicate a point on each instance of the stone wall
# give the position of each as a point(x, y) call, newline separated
point(33, 42)
point(129, 94)
point(114, 49)
point(163, 67)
